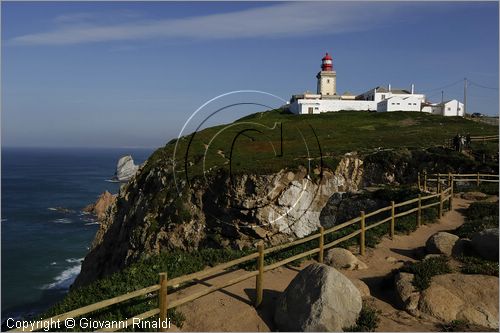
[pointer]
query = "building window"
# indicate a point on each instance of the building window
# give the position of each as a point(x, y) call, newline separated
point(393, 103)
point(327, 80)
point(449, 109)
point(310, 110)
point(383, 96)
point(397, 103)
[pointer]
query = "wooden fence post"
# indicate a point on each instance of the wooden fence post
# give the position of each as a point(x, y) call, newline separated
point(163, 303)
point(419, 211)
point(418, 181)
point(425, 181)
point(321, 244)
point(362, 235)
point(477, 181)
point(451, 193)
point(449, 179)
point(391, 232)
point(259, 278)
point(440, 207)
point(438, 182)
point(438, 187)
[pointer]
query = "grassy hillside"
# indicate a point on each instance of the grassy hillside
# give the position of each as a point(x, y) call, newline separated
point(270, 141)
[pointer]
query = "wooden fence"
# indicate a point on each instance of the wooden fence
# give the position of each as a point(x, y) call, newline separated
point(444, 192)
point(437, 180)
point(449, 142)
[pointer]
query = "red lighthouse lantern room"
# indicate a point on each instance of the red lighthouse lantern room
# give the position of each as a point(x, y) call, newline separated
point(327, 63)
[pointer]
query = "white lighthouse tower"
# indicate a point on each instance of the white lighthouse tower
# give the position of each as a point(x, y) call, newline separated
point(327, 78)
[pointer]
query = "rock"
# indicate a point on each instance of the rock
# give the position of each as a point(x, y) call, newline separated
point(101, 206)
point(474, 196)
point(125, 168)
point(363, 288)
point(485, 243)
point(473, 298)
point(408, 294)
point(343, 259)
point(432, 255)
point(391, 260)
point(442, 243)
point(319, 298)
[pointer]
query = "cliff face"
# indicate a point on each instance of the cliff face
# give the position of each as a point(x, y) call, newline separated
point(219, 211)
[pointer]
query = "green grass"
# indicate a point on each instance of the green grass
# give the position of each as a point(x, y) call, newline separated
point(337, 133)
point(424, 271)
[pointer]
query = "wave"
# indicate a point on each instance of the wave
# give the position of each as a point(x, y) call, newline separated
point(111, 181)
point(65, 278)
point(92, 223)
point(72, 260)
point(64, 220)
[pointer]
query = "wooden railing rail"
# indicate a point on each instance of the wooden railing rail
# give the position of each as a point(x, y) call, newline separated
point(443, 194)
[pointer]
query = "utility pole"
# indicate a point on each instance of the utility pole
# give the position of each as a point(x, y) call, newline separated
point(442, 96)
point(465, 96)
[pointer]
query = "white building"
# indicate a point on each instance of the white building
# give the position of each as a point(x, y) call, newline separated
point(449, 108)
point(379, 99)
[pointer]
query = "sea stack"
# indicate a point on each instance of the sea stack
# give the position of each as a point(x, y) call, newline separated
point(125, 168)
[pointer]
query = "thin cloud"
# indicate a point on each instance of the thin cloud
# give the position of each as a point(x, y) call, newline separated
point(283, 20)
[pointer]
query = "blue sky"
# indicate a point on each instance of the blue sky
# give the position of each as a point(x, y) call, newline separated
point(129, 74)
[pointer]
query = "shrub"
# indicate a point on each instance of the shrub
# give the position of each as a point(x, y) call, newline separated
point(481, 209)
point(475, 265)
point(367, 321)
point(426, 269)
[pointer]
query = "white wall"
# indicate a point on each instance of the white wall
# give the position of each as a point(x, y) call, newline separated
point(397, 103)
point(302, 106)
point(453, 108)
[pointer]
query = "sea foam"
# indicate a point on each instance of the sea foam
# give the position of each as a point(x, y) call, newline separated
point(66, 277)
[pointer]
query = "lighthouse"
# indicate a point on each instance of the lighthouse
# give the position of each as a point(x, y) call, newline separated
point(327, 78)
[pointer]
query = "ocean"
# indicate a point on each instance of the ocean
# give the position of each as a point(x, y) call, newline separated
point(44, 233)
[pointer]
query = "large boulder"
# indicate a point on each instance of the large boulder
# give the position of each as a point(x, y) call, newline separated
point(473, 298)
point(319, 298)
point(408, 294)
point(125, 169)
point(485, 243)
point(444, 243)
point(343, 259)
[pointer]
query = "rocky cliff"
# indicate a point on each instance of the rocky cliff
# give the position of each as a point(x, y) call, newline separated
point(151, 216)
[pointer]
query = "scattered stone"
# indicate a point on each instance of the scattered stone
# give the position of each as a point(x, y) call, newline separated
point(473, 298)
point(432, 255)
point(343, 259)
point(408, 294)
point(485, 243)
point(442, 243)
point(392, 260)
point(319, 298)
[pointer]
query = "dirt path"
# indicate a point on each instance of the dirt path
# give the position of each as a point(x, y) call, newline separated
point(231, 309)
